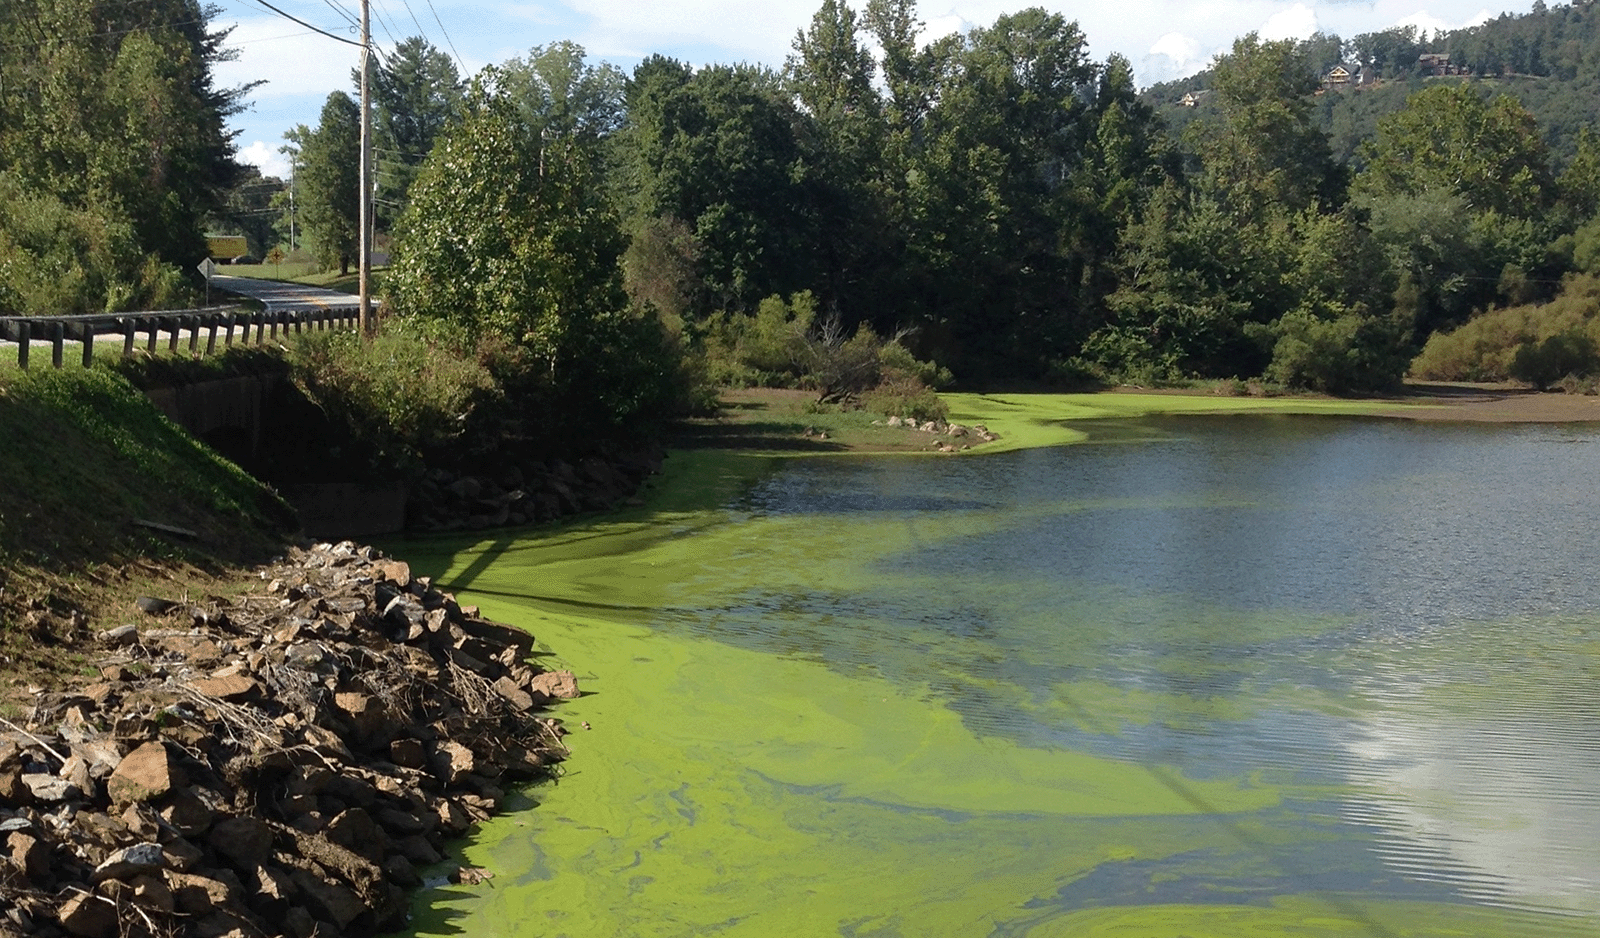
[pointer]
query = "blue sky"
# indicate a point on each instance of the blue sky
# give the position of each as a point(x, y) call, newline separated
point(1163, 39)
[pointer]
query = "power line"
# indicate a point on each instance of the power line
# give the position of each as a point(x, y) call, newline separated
point(462, 62)
point(315, 29)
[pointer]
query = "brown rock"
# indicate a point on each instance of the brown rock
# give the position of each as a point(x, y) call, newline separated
point(12, 790)
point(330, 901)
point(451, 761)
point(355, 831)
point(246, 842)
point(401, 872)
point(514, 695)
point(452, 817)
point(193, 894)
point(102, 755)
point(300, 923)
point(418, 850)
point(152, 892)
point(30, 854)
point(186, 813)
point(560, 684)
point(233, 687)
point(182, 856)
point(88, 916)
point(147, 772)
point(395, 571)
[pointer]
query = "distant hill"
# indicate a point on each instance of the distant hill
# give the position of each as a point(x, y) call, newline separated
point(1549, 59)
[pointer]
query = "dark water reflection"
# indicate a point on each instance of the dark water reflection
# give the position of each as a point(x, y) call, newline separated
point(1410, 612)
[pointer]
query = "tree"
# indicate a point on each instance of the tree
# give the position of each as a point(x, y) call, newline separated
point(1448, 139)
point(329, 181)
point(1268, 154)
point(720, 150)
point(516, 246)
point(559, 95)
point(416, 92)
point(109, 107)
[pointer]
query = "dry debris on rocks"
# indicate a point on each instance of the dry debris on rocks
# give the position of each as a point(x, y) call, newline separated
point(278, 764)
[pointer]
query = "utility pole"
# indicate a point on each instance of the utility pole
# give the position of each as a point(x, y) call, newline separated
point(365, 265)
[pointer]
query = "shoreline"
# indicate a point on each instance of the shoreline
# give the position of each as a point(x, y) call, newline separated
point(255, 782)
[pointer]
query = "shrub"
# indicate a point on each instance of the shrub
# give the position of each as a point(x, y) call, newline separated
point(398, 395)
point(1487, 347)
point(904, 395)
point(1353, 352)
point(55, 259)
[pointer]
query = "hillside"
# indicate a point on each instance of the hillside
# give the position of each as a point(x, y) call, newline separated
point(1546, 59)
point(91, 468)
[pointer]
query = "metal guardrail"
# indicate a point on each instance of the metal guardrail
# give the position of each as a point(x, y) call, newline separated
point(56, 331)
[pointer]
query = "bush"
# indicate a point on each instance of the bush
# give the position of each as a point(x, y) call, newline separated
point(55, 259)
point(1487, 347)
point(904, 395)
point(398, 395)
point(1352, 353)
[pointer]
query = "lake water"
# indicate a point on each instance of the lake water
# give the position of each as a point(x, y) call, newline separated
point(1226, 676)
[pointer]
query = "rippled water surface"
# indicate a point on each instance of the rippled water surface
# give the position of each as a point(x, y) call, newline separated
point(1229, 676)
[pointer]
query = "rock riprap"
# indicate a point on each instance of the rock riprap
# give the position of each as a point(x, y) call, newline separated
point(282, 763)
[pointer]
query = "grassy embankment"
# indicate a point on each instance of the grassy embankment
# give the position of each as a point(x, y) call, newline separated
point(86, 460)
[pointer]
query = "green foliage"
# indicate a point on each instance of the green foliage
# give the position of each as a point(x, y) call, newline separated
point(329, 181)
point(767, 349)
point(58, 259)
point(125, 124)
point(1354, 352)
point(507, 240)
point(903, 395)
point(398, 396)
point(1448, 139)
point(416, 93)
point(1539, 344)
point(1267, 152)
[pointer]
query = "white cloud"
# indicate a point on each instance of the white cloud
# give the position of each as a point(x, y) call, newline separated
point(1172, 56)
point(292, 60)
point(265, 156)
point(1430, 24)
point(1297, 22)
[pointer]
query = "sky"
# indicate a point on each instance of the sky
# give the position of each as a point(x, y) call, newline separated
point(1164, 39)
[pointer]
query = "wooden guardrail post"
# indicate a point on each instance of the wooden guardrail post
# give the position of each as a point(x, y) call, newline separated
point(211, 340)
point(58, 341)
point(193, 322)
point(88, 344)
point(155, 333)
point(24, 342)
point(128, 328)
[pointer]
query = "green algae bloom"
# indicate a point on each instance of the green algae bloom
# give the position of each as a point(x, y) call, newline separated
point(786, 734)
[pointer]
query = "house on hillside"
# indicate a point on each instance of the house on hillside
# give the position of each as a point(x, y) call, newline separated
point(1437, 64)
point(1192, 99)
point(1346, 75)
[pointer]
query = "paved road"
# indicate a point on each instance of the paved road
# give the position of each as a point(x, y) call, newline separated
point(279, 295)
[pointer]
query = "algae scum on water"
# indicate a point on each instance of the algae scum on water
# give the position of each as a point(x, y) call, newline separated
point(1198, 685)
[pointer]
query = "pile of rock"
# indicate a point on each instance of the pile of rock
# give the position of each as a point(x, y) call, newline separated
point(526, 493)
point(956, 437)
point(278, 764)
